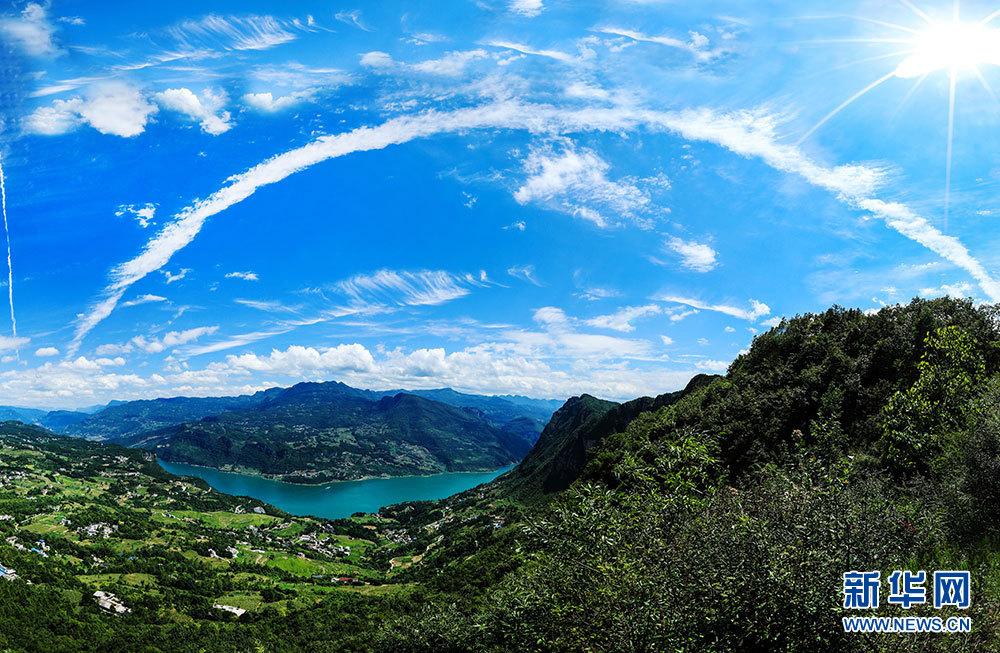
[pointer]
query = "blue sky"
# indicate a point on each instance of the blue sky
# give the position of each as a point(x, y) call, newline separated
point(537, 197)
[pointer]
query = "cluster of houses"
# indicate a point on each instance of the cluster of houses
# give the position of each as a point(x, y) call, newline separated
point(7, 573)
point(398, 536)
point(101, 529)
point(323, 546)
point(232, 551)
point(109, 602)
point(230, 608)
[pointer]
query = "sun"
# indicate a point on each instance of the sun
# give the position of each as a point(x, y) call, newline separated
point(954, 46)
point(951, 46)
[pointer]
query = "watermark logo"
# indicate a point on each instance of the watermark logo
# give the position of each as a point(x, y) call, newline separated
point(951, 588)
point(906, 588)
point(861, 589)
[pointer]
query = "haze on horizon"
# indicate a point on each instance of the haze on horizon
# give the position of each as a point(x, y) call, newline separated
point(508, 197)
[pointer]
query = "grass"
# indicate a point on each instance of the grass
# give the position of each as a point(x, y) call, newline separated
point(227, 520)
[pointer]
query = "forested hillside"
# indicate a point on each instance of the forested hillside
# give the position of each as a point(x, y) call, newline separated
point(718, 518)
point(318, 432)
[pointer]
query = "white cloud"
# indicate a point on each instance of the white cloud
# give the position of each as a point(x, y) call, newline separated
point(172, 339)
point(423, 288)
point(757, 309)
point(31, 32)
point(232, 33)
point(524, 49)
point(268, 103)
point(111, 108)
point(112, 349)
point(595, 294)
point(678, 315)
point(772, 322)
point(519, 225)
point(246, 276)
point(175, 276)
point(744, 133)
point(667, 340)
point(712, 366)
point(958, 290)
point(268, 306)
point(576, 182)
point(144, 299)
point(8, 343)
point(451, 64)
point(697, 45)
point(550, 316)
point(353, 18)
point(524, 273)
point(694, 256)
point(377, 59)
point(729, 329)
point(205, 109)
point(44, 352)
point(299, 361)
point(526, 8)
point(622, 318)
point(143, 214)
point(239, 340)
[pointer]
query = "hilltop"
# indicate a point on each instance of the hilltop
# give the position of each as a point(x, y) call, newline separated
point(318, 432)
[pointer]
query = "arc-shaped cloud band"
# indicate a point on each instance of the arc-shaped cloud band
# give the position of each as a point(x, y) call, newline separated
point(746, 133)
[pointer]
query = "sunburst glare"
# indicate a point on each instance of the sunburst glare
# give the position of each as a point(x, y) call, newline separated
point(954, 47)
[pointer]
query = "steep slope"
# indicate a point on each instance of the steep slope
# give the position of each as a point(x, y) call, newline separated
point(559, 456)
point(522, 415)
point(317, 432)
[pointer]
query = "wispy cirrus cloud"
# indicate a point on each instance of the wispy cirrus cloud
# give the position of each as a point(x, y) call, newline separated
point(352, 18)
point(697, 44)
point(394, 288)
point(746, 133)
point(526, 49)
point(621, 320)
point(144, 299)
point(757, 309)
point(233, 33)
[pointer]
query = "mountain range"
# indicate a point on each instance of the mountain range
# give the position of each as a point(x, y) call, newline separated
point(317, 432)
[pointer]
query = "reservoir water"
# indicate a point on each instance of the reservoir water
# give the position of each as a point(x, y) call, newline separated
point(339, 499)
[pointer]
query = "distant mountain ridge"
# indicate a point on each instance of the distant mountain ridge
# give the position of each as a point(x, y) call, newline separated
point(525, 416)
point(317, 432)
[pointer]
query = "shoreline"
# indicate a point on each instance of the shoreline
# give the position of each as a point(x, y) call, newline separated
point(505, 468)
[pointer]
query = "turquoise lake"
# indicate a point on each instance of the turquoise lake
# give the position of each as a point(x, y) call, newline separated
point(340, 499)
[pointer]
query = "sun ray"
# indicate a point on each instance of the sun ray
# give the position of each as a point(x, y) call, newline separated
point(870, 59)
point(986, 85)
point(912, 8)
point(885, 24)
point(989, 18)
point(843, 105)
point(947, 156)
point(909, 93)
point(859, 40)
point(861, 18)
point(827, 71)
